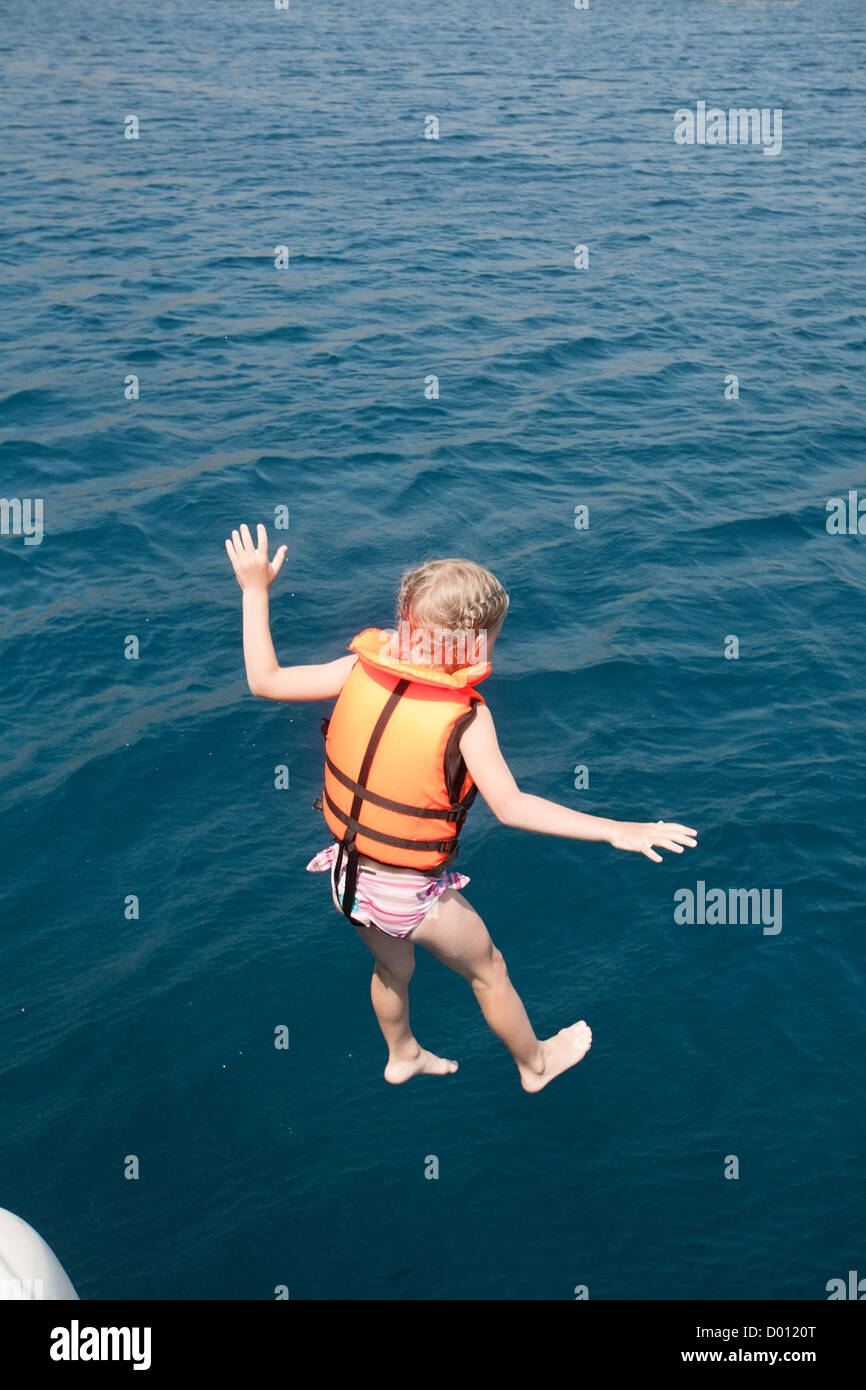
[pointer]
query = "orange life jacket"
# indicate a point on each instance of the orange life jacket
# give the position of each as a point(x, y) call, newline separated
point(396, 786)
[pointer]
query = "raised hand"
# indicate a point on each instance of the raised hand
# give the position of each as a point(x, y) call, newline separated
point(250, 563)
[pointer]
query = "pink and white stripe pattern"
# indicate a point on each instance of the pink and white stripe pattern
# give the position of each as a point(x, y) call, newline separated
point(394, 903)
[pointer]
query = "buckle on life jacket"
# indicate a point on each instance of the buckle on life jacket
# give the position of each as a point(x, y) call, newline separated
point(318, 804)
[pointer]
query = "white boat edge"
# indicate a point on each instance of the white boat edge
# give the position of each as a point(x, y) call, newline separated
point(29, 1268)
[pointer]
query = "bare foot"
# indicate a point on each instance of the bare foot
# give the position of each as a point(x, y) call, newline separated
point(400, 1069)
point(557, 1055)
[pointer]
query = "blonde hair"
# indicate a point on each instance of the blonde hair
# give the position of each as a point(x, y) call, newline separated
point(452, 596)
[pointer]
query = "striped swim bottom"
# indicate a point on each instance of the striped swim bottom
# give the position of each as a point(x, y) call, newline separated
point(393, 903)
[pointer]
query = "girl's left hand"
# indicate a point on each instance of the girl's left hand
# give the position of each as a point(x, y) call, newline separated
point(250, 563)
point(641, 836)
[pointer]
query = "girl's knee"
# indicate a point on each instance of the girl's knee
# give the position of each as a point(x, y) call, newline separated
point(396, 973)
point(492, 973)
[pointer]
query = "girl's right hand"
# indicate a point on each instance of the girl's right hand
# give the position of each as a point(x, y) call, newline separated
point(640, 837)
point(250, 563)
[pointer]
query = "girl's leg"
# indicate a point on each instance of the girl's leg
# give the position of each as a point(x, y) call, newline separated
point(457, 936)
point(389, 991)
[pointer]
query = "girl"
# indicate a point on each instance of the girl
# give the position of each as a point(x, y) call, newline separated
point(408, 745)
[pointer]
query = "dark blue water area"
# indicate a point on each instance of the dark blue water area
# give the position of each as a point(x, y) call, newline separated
point(559, 388)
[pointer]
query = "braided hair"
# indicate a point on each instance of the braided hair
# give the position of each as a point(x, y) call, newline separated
point(454, 597)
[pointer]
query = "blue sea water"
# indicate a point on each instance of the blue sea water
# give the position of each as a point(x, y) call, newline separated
point(304, 388)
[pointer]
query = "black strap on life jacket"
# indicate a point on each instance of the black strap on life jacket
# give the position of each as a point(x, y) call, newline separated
point(456, 815)
point(347, 844)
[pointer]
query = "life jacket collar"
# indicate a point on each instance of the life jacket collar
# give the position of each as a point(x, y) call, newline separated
point(374, 646)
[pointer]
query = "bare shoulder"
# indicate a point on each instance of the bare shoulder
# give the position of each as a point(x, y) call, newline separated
point(480, 731)
point(342, 667)
point(485, 763)
point(336, 673)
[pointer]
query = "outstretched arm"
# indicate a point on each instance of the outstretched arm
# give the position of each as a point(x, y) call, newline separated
point(265, 677)
point(493, 778)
